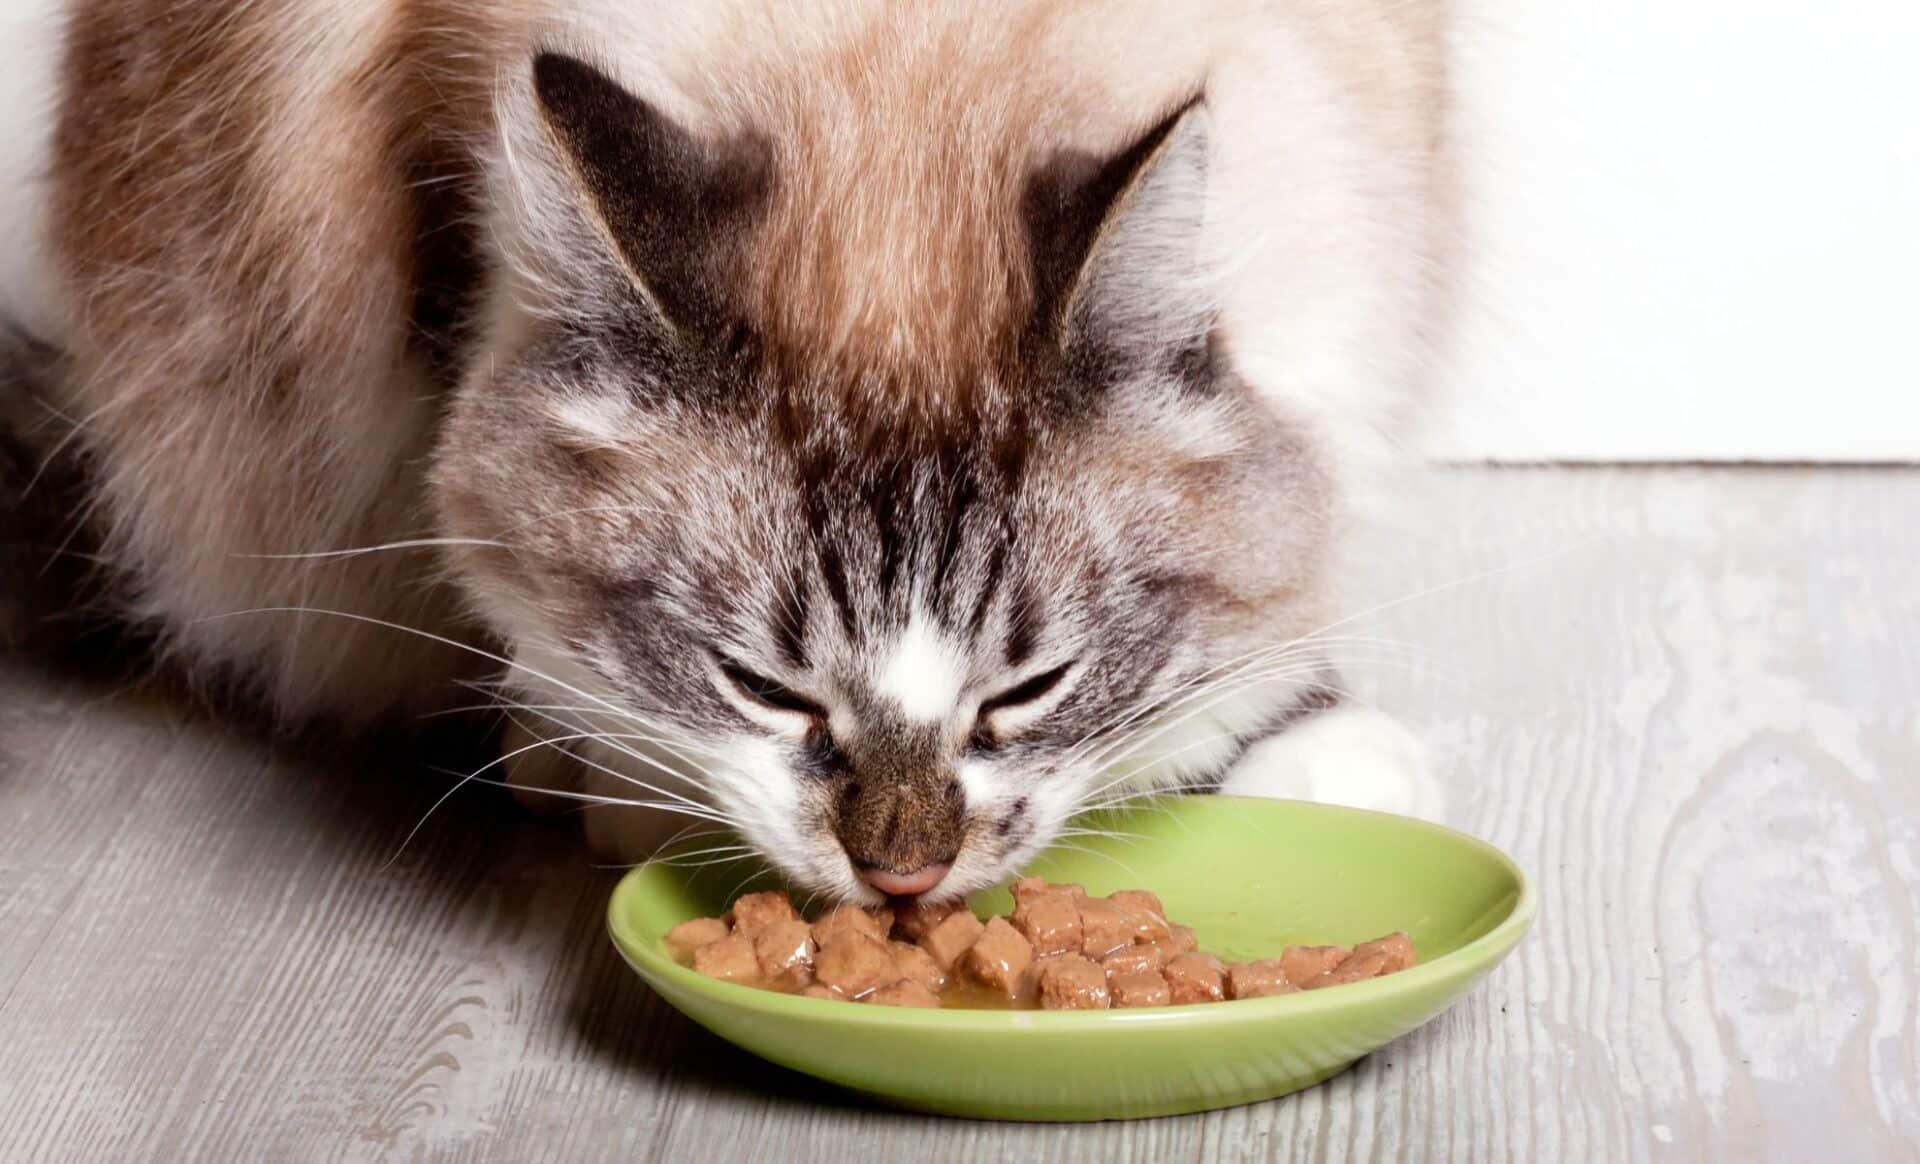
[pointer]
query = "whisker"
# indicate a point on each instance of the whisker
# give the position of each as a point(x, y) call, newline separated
point(1222, 692)
point(589, 799)
point(1480, 576)
point(1256, 671)
point(719, 855)
point(1091, 852)
point(671, 745)
point(635, 780)
point(556, 742)
point(742, 884)
point(1210, 696)
point(408, 544)
point(428, 635)
point(1119, 752)
point(613, 744)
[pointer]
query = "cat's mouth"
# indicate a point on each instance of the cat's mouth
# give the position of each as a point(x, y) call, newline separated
point(910, 884)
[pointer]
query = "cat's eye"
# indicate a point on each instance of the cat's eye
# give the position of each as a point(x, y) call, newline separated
point(769, 693)
point(1026, 691)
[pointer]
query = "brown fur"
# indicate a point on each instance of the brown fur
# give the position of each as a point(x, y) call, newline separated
point(248, 271)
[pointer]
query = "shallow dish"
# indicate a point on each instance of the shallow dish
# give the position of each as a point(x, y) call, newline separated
point(1250, 876)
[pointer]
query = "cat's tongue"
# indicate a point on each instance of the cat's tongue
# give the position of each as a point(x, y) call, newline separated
point(906, 884)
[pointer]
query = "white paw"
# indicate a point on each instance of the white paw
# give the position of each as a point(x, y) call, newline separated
point(1354, 756)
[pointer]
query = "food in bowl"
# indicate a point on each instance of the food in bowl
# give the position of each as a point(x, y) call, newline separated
point(1061, 949)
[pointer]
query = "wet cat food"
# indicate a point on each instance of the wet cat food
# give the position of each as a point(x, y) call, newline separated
point(1060, 949)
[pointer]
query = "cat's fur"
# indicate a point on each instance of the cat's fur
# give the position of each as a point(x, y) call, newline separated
point(717, 361)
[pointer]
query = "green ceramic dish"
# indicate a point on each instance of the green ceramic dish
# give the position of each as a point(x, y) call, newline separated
point(1251, 876)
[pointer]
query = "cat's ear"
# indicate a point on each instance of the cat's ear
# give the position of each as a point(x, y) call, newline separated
point(664, 206)
point(1115, 242)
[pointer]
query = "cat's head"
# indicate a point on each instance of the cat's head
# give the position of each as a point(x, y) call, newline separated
point(888, 606)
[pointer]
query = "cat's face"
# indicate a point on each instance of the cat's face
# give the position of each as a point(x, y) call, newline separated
point(883, 642)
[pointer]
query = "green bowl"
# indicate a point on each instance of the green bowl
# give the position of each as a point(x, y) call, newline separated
point(1251, 877)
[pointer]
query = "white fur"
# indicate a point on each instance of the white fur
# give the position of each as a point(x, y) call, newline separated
point(923, 672)
point(990, 789)
point(1354, 756)
point(597, 421)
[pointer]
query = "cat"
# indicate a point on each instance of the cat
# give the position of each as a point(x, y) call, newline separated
point(882, 429)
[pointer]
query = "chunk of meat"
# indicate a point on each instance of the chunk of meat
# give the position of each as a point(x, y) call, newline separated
point(1028, 888)
point(730, 959)
point(1073, 982)
point(876, 923)
point(917, 965)
point(785, 953)
point(1357, 968)
point(1144, 910)
point(1180, 940)
point(1398, 948)
point(1303, 964)
point(757, 911)
point(818, 991)
point(689, 936)
point(905, 992)
point(913, 922)
point(1195, 978)
point(953, 937)
point(1104, 927)
point(854, 963)
point(1051, 923)
point(1030, 893)
point(1142, 959)
point(999, 959)
point(1258, 979)
point(1139, 988)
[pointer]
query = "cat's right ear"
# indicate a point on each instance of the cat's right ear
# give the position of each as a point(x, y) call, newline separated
point(621, 202)
point(1115, 243)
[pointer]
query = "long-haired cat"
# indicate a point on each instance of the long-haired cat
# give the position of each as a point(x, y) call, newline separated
point(881, 427)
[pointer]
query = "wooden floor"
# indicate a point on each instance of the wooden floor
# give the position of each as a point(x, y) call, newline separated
point(1684, 699)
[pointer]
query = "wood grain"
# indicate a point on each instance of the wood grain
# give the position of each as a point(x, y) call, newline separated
point(1684, 699)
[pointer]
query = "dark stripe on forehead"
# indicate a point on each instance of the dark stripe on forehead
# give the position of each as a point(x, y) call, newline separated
point(989, 586)
point(963, 489)
point(835, 574)
point(1023, 626)
point(816, 475)
point(891, 500)
point(790, 619)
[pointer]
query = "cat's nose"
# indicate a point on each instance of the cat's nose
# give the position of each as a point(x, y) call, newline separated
point(905, 884)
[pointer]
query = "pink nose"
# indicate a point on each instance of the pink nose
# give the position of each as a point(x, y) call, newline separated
point(905, 884)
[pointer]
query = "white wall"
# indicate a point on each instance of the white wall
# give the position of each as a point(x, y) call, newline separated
point(29, 55)
point(1697, 232)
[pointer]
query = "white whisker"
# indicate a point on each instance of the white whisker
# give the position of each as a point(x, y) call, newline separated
point(409, 544)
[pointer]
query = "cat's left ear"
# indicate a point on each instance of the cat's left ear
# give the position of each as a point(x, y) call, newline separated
point(1115, 246)
point(626, 203)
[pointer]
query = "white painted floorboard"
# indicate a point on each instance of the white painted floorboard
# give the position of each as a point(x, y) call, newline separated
point(1683, 698)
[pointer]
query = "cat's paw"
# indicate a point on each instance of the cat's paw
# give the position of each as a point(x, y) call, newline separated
point(543, 779)
point(552, 780)
point(1348, 755)
point(621, 834)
